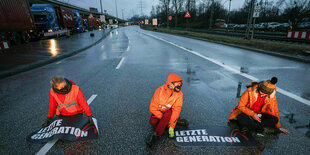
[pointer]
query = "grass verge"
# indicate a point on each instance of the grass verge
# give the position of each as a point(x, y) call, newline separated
point(289, 49)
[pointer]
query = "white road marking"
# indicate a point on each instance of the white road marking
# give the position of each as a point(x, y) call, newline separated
point(128, 48)
point(120, 63)
point(51, 143)
point(58, 62)
point(282, 91)
point(91, 99)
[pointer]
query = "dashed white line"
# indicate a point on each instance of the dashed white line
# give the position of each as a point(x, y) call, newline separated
point(51, 143)
point(282, 91)
point(128, 48)
point(120, 63)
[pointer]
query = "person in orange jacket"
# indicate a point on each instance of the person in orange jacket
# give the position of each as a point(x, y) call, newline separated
point(257, 109)
point(165, 107)
point(66, 99)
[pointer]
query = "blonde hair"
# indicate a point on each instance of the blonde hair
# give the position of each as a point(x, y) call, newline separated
point(57, 79)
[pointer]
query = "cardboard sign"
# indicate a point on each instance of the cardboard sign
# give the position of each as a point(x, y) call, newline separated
point(154, 21)
point(213, 136)
point(72, 128)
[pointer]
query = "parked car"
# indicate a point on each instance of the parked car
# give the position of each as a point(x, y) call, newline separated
point(273, 25)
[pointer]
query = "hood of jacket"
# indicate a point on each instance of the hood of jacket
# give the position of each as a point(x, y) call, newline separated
point(173, 78)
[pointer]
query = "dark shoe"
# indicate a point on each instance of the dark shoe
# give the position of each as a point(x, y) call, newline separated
point(245, 129)
point(271, 130)
point(150, 140)
point(233, 124)
point(182, 122)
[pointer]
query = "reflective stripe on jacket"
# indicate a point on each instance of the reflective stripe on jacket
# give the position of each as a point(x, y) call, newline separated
point(70, 104)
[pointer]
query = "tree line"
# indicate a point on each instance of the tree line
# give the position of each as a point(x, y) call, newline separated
point(204, 13)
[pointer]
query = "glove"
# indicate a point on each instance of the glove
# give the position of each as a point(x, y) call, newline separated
point(171, 132)
point(90, 119)
point(47, 122)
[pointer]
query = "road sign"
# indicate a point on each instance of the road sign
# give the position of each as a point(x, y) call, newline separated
point(257, 9)
point(102, 18)
point(110, 21)
point(146, 22)
point(187, 15)
point(154, 21)
point(170, 17)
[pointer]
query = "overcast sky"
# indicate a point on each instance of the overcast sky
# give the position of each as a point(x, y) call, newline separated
point(132, 7)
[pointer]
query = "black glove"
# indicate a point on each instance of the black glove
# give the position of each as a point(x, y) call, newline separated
point(47, 122)
point(90, 119)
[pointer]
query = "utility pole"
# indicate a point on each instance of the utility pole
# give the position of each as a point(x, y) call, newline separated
point(250, 18)
point(228, 13)
point(140, 5)
point(123, 13)
point(211, 14)
point(116, 8)
point(101, 6)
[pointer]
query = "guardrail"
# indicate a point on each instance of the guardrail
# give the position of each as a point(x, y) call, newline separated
point(276, 36)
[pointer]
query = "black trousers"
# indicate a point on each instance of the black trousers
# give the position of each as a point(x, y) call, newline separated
point(253, 125)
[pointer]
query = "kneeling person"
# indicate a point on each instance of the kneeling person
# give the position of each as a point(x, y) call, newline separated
point(165, 107)
point(258, 108)
point(66, 99)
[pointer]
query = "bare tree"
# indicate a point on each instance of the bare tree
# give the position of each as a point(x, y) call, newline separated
point(177, 7)
point(296, 10)
point(166, 7)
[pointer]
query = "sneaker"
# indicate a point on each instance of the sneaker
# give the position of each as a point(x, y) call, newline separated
point(245, 129)
point(182, 122)
point(271, 130)
point(150, 140)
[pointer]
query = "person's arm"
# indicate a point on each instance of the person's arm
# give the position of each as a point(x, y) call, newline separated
point(242, 105)
point(83, 103)
point(176, 110)
point(52, 107)
point(154, 104)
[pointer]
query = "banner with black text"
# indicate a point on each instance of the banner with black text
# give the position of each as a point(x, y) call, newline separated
point(213, 136)
point(72, 128)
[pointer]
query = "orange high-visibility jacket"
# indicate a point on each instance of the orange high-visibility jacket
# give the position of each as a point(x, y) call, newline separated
point(249, 97)
point(71, 105)
point(165, 99)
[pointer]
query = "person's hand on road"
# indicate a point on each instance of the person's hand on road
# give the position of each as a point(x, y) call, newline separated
point(90, 119)
point(284, 131)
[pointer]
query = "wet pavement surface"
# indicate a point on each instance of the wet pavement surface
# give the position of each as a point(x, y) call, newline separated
point(124, 94)
point(33, 52)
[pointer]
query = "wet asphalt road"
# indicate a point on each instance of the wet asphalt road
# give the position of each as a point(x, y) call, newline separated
point(124, 94)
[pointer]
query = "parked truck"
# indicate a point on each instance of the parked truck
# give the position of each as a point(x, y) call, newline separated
point(16, 21)
point(78, 21)
point(65, 17)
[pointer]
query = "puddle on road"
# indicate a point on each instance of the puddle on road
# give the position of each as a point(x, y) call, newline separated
point(305, 95)
point(301, 124)
point(191, 72)
point(244, 70)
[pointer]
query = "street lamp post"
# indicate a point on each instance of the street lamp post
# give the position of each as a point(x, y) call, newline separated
point(101, 6)
point(228, 14)
point(116, 8)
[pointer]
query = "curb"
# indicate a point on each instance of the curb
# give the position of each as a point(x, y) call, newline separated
point(290, 57)
point(24, 68)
